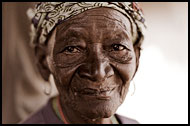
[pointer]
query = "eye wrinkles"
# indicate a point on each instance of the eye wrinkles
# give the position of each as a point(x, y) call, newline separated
point(75, 43)
point(72, 55)
point(74, 38)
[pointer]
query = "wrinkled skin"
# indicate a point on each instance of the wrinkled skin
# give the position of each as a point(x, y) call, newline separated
point(92, 59)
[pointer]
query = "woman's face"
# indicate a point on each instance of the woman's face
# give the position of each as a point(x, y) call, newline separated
point(92, 59)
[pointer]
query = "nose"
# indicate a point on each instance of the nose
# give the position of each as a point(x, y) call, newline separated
point(96, 68)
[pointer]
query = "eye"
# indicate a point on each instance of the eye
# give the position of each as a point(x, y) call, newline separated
point(71, 49)
point(118, 47)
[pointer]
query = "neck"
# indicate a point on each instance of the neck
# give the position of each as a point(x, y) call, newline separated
point(74, 117)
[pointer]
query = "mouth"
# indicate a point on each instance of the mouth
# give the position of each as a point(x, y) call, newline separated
point(101, 94)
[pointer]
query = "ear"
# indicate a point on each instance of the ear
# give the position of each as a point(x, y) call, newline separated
point(42, 65)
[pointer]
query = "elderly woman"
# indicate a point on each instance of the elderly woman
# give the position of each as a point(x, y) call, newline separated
point(92, 49)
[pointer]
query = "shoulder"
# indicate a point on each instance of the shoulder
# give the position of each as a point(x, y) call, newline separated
point(35, 118)
point(45, 115)
point(126, 120)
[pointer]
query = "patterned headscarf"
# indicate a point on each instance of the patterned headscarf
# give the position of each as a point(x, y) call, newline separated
point(47, 15)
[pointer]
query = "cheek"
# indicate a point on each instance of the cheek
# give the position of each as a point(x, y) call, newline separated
point(63, 74)
point(125, 72)
point(63, 77)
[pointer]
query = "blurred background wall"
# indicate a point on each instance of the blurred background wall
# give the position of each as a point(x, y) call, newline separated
point(22, 87)
point(161, 84)
point(161, 94)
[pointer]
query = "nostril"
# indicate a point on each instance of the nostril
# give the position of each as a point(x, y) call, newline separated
point(96, 73)
point(84, 72)
point(86, 75)
point(93, 74)
point(90, 76)
point(109, 71)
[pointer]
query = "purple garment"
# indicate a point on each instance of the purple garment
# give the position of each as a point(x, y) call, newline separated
point(46, 115)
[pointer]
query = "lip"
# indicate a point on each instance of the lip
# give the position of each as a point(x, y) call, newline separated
point(98, 94)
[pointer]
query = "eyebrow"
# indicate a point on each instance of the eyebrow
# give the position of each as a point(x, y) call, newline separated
point(67, 26)
point(115, 35)
point(74, 32)
point(119, 37)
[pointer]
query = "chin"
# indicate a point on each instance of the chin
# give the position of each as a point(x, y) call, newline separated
point(98, 109)
point(97, 113)
point(91, 107)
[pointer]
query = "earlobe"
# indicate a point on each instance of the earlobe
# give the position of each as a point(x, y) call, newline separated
point(42, 62)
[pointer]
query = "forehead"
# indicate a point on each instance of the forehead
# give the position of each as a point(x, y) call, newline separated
point(101, 18)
